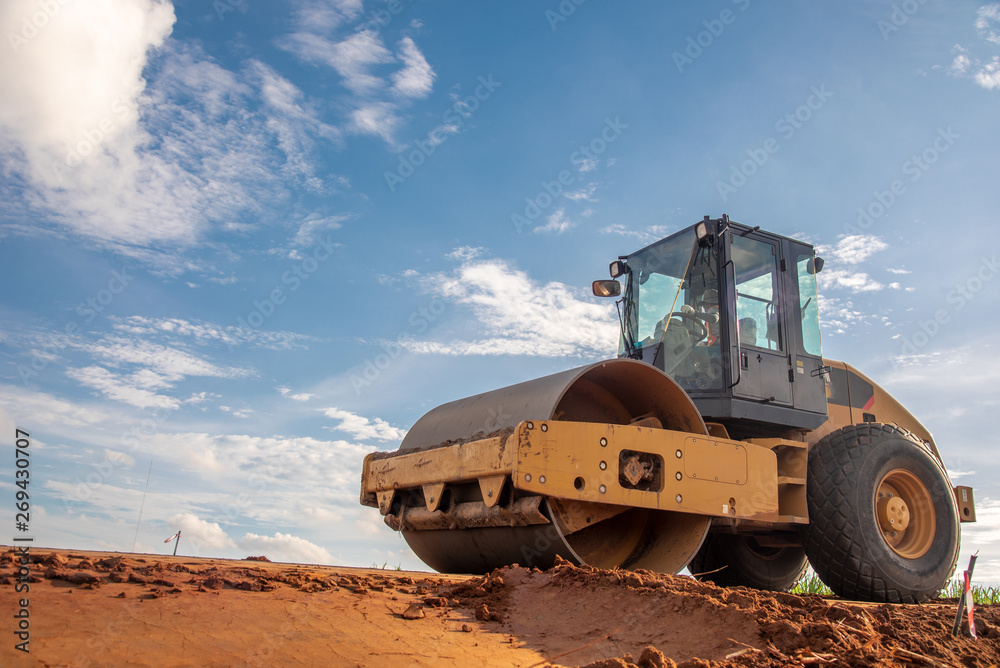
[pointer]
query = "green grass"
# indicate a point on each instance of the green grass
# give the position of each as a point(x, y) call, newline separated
point(811, 584)
point(981, 595)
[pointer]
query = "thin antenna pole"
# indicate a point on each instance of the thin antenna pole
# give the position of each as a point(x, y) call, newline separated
point(141, 505)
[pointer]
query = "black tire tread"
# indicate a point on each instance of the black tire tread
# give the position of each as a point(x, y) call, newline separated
point(718, 562)
point(838, 556)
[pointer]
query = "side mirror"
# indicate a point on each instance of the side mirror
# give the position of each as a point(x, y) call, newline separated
point(617, 268)
point(607, 288)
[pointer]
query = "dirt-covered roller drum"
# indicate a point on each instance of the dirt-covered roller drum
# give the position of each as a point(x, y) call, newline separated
point(471, 526)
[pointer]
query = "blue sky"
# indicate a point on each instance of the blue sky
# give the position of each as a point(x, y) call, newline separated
point(245, 243)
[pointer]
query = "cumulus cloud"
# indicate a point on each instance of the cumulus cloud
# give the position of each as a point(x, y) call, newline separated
point(550, 320)
point(285, 547)
point(203, 535)
point(77, 118)
point(363, 428)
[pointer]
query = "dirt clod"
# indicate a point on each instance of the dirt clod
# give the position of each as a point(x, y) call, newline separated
point(415, 611)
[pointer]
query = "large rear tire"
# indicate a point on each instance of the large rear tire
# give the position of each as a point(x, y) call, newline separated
point(883, 522)
point(731, 560)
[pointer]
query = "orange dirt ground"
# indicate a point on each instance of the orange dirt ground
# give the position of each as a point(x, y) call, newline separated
point(110, 609)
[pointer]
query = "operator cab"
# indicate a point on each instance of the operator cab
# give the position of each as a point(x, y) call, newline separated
point(730, 313)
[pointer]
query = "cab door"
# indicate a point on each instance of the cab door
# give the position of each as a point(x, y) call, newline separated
point(758, 341)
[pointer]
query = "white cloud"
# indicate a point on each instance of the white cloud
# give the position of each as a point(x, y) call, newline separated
point(203, 535)
point(37, 407)
point(325, 15)
point(548, 320)
point(294, 123)
point(417, 77)
point(287, 392)
point(848, 279)
point(285, 547)
point(353, 58)
point(118, 458)
point(77, 120)
point(853, 249)
point(119, 388)
point(556, 223)
point(204, 332)
point(583, 195)
point(985, 72)
point(465, 253)
point(987, 22)
point(377, 118)
point(643, 237)
point(838, 316)
point(312, 225)
point(164, 364)
point(363, 428)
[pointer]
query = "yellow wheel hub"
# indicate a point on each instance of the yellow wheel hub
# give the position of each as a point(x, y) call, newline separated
point(905, 514)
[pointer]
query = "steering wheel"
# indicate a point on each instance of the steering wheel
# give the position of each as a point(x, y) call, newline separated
point(701, 332)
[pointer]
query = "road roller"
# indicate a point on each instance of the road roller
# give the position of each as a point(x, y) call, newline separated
point(718, 440)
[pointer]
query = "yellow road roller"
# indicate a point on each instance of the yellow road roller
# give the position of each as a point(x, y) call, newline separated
point(719, 440)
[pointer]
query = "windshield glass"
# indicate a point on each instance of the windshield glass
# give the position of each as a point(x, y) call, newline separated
point(672, 301)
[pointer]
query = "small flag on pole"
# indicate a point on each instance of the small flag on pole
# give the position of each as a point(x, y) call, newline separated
point(178, 537)
point(970, 603)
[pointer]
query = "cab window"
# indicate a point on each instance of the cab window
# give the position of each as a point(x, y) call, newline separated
point(756, 293)
point(808, 304)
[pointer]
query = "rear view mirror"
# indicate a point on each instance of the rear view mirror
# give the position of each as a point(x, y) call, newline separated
point(607, 288)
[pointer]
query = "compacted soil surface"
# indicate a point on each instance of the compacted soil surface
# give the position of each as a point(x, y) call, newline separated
point(111, 609)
